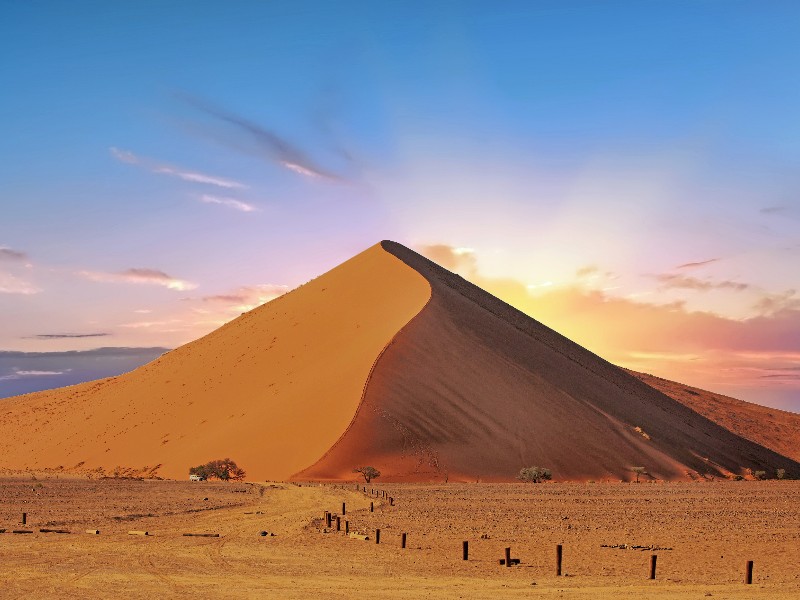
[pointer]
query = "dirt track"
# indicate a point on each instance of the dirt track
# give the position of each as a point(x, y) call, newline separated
point(711, 528)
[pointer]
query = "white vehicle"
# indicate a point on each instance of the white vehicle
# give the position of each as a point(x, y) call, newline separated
point(196, 478)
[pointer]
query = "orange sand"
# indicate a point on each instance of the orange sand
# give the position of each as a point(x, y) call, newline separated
point(387, 360)
point(273, 389)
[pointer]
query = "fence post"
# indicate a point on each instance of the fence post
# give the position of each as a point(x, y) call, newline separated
point(748, 574)
point(24, 518)
point(371, 507)
point(508, 557)
point(653, 560)
point(377, 536)
point(465, 550)
point(559, 557)
point(338, 523)
point(403, 541)
point(344, 509)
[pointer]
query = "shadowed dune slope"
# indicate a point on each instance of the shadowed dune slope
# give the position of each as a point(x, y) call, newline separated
point(473, 389)
point(273, 389)
point(775, 429)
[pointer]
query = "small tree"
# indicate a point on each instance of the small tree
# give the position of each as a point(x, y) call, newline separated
point(760, 474)
point(780, 474)
point(534, 474)
point(369, 473)
point(639, 471)
point(224, 469)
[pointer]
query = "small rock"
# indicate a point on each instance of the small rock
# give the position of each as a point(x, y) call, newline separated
point(262, 533)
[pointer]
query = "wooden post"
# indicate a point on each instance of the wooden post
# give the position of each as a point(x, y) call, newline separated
point(653, 559)
point(371, 507)
point(327, 519)
point(344, 509)
point(338, 523)
point(559, 556)
point(403, 541)
point(347, 527)
point(391, 501)
point(748, 574)
point(508, 557)
point(377, 536)
point(465, 550)
point(24, 518)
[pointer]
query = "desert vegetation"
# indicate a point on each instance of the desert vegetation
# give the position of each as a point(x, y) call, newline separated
point(534, 474)
point(369, 473)
point(223, 469)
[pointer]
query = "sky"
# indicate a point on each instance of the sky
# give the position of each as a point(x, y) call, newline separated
point(625, 172)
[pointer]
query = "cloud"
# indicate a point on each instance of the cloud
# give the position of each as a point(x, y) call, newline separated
point(229, 202)
point(61, 336)
point(698, 348)
point(20, 374)
point(694, 265)
point(459, 260)
point(8, 254)
point(771, 210)
point(770, 304)
point(587, 271)
point(672, 281)
point(141, 276)
point(11, 284)
point(128, 157)
point(248, 297)
point(269, 144)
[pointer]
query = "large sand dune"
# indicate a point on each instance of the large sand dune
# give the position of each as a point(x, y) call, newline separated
point(387, 360)
point(474, 389)
point(273, 389)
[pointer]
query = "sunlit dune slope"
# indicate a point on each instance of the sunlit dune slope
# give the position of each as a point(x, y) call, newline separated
point(273, 389)
point(474, 389)
point(776, 429)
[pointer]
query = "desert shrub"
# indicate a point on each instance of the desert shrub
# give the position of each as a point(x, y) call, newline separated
point(369, 473)
point(534, 474)
point(224, 469)
point(737, 477)
point(780, 474)
point(760, 474)
point(639, 471)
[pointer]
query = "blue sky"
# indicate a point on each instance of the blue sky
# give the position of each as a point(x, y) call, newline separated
point(158, 157)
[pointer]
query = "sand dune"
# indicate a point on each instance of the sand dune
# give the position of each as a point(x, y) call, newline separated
point(387, 360)
point(474, 389)
point(772, 428)
point(272, 389)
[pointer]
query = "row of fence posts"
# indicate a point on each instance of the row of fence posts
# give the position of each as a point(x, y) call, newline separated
point(507, 561)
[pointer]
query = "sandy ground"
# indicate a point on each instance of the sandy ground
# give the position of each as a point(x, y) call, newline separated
point(711, 529)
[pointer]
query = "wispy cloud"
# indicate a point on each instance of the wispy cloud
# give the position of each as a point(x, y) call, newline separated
point(156, 167)
point(248, 297)
point(9, 254)
point(770, 304)
point(771, 210)
point(269, 144)
point(141, 276)
point(11, 284)
point(694, 265)
point(61, 336)
point(672, 281)
point(229, 202)
point(21, 374)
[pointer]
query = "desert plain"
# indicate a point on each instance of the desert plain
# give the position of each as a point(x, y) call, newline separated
point(703, 534)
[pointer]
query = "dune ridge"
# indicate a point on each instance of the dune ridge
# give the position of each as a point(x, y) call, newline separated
point(387, 360)
point(273, 389)
point(472, 389)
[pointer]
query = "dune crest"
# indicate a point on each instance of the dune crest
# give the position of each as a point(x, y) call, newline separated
point(272, 389)
point(387, 360)
point(472, 389)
